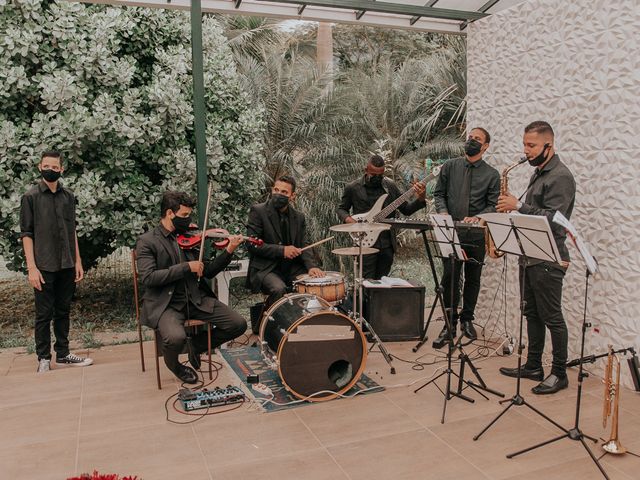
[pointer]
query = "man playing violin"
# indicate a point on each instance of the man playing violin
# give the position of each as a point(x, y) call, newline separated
point(174, 290)
point(274, 265)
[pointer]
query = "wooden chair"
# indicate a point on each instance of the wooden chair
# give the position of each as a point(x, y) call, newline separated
point(157, 342)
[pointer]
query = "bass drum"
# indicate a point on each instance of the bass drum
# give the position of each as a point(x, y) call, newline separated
point(316, 348)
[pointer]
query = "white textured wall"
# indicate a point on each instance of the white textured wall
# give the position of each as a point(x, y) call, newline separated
point(575, 64)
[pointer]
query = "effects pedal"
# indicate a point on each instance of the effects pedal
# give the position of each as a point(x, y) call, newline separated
point(196, 399)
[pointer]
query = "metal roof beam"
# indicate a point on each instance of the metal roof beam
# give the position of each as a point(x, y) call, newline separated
point(387, 7)
point(294, 10)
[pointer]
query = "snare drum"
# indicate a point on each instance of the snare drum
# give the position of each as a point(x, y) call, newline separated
point(330, 287)
point(315, 348)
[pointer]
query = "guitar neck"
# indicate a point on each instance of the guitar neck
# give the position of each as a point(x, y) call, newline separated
point(386, 211)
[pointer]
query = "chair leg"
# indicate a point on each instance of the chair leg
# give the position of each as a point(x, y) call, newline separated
point(155, 344)
point(141, 347)
point(209, 349)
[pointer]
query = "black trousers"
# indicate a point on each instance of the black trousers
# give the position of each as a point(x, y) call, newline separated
point(377, 265)
point(276, 284)
point(473, 245)
point(53, 304)
point(227, 324)
point(543, 309)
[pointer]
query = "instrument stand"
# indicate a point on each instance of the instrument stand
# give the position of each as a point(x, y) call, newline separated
point(437, 289)
point(575, 433)
point(464, 358)
point(517, 399)
point(358, 313)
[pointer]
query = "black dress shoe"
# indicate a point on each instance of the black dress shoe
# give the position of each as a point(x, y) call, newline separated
point(443, 338)
point(531, 373)
point(551, 384)
point(187, 374)
point(468, 330)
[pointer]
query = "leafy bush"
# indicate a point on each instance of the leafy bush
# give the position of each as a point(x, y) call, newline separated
point(111, 88)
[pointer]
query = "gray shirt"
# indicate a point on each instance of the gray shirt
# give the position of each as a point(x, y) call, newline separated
point(483, 192)
point(551, 189)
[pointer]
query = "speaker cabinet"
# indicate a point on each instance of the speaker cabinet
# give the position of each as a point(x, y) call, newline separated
point(395, 313)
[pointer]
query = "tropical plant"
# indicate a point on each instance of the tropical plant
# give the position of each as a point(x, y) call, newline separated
point(111, 88)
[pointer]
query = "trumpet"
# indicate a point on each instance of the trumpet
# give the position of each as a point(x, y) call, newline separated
point(611, 404)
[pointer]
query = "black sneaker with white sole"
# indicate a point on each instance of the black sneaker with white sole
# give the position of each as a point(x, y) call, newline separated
point(74, 361)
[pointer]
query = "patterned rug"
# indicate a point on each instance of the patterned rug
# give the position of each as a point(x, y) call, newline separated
point(249, 361)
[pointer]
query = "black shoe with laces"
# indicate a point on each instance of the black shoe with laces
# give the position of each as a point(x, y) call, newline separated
point(187, 374)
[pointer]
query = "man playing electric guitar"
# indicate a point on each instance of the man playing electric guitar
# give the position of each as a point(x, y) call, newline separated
point(361, 195)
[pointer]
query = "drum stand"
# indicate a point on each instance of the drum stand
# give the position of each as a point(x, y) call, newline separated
point(358, 314)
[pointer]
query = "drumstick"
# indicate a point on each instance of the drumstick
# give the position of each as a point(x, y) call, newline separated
point(315, 244)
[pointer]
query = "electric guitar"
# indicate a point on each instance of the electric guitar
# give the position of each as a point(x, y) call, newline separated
point(377, 213)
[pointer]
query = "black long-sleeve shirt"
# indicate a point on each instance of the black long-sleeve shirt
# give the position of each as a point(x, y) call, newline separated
point(551, 189)
point(483, 193)
point(49, 218)
point(357, 198)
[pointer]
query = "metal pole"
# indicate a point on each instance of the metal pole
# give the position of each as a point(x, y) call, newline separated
point(199, 117)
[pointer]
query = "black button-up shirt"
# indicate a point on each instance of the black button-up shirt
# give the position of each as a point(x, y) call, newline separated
point(551, 189)
point(49, 218)
point(483, 192)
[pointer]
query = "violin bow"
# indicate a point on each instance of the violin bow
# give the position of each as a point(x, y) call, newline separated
point(206, 221)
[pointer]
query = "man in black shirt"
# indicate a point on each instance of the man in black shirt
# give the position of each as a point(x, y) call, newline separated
point(467, 186)
point(175, 291)
point(360, 195)
point(274, 265)
point(551, 189)
point(48, 233)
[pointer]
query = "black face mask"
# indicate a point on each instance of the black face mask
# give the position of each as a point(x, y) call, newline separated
point(472, 147)
point(279, 201)
point(181, 224)
point(540, 159)
point(374, 180)
point(50, 175)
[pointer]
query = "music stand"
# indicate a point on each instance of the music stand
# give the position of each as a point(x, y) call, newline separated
point(527, 237)
point(575, 433)
point(446, 238)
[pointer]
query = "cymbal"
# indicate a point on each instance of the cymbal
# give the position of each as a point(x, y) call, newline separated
point(360, 227)
point(354, 251)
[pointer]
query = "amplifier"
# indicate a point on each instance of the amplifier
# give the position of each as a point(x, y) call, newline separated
point(395, 313)
point(195, 399)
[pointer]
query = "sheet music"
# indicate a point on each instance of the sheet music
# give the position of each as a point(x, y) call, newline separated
point(444, 230)
point(534, 232)
point(572, 233)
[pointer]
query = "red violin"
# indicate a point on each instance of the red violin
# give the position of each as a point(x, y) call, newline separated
point(193, 239)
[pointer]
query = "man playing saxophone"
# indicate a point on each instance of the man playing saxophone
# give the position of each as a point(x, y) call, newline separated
point(551, 188)
point(467, 186)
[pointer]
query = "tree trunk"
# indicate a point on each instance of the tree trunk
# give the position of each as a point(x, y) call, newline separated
point(324, 47)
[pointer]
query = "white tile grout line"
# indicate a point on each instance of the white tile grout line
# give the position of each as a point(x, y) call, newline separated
point(79, 423)
point(204, 458)
point(322, 445)
point(425, 427)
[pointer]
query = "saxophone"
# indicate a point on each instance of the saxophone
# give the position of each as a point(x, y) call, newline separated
point(490, 246)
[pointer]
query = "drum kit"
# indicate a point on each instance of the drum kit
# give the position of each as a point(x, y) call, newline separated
point(319, 352)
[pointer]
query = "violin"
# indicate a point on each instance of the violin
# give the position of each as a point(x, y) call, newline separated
point(193, 239)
